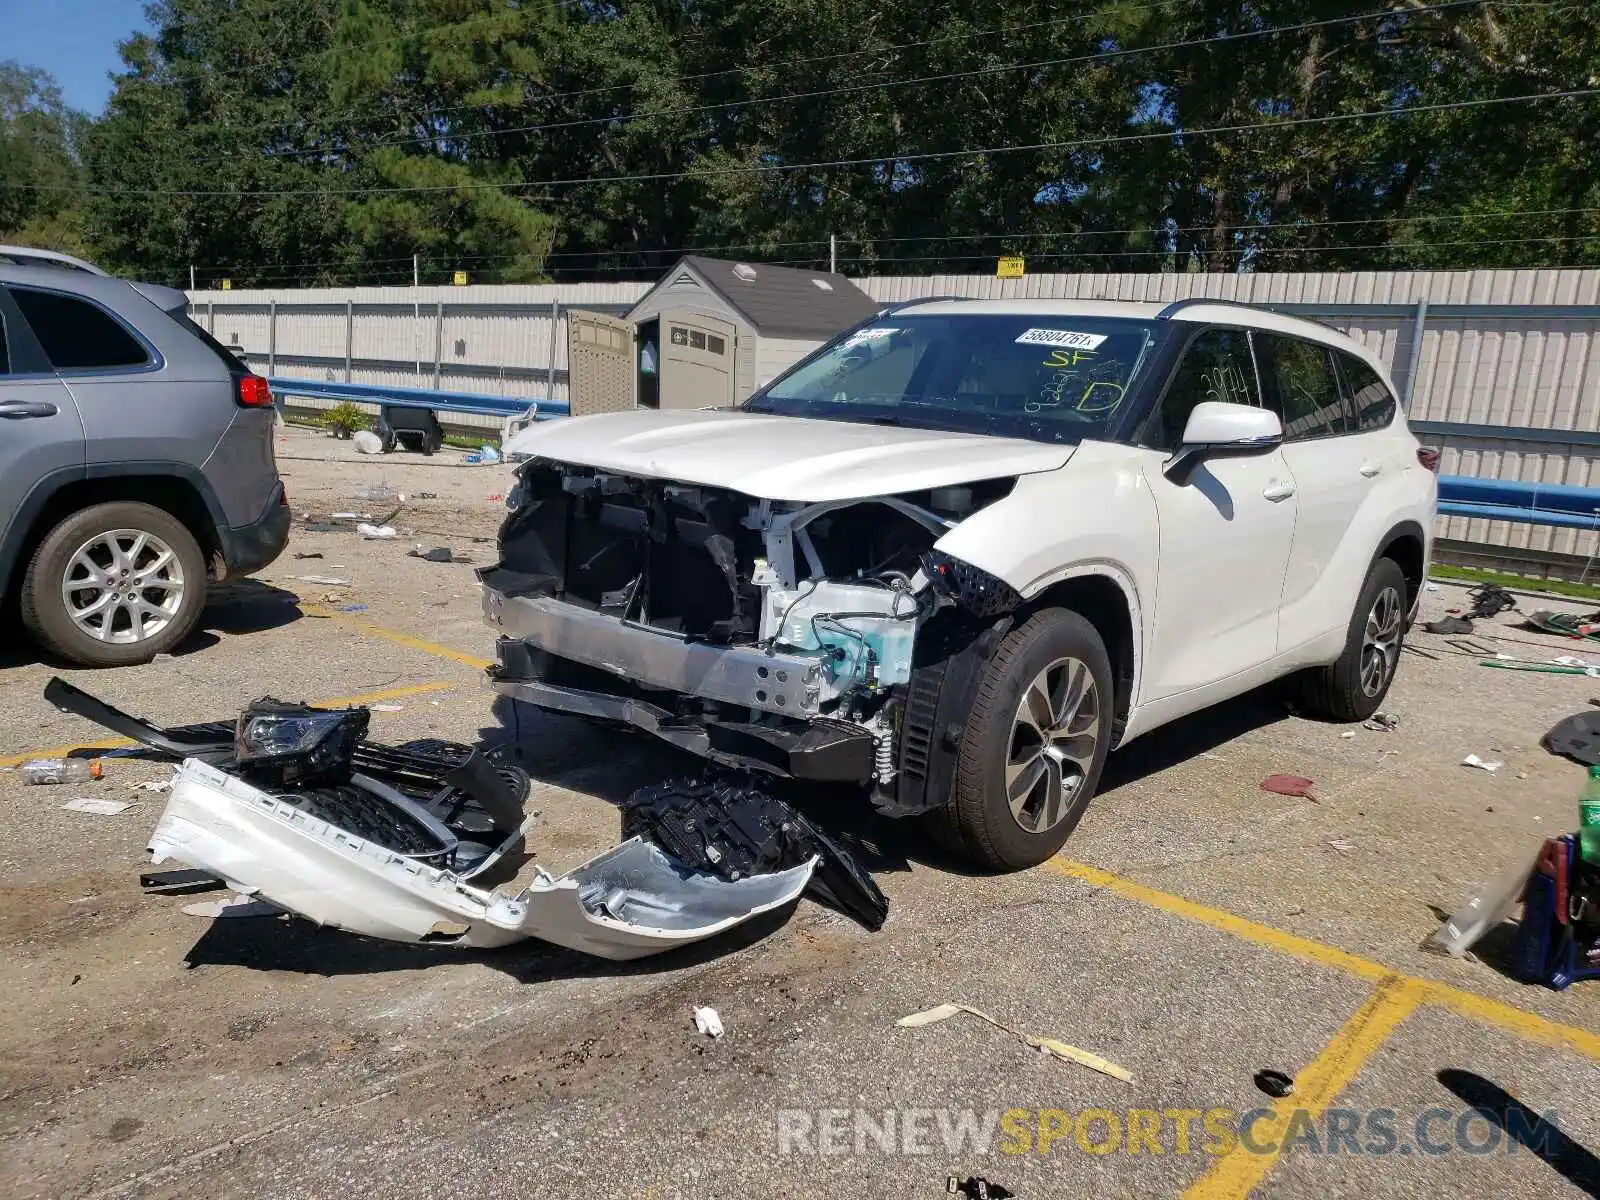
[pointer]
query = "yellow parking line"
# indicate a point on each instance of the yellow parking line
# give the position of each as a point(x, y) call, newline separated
point(416, 689)
point(1235, 1174)
point(398, 637)
point(1468, 1004)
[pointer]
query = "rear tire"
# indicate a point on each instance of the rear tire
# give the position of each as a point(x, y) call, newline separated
point(1353, 687)
point(1032, 746)
point(88, 548)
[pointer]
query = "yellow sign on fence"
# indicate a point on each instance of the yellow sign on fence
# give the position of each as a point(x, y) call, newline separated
point(1010, 267)
point(227, 285)
point(461, 279)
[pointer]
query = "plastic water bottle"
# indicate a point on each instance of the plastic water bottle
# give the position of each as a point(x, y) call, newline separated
point(1589, 817)
point(61, 770)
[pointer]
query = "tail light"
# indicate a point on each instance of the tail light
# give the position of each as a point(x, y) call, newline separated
point(1428, 457)
point(252, 391)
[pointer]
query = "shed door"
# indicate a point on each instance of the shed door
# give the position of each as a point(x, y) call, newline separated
point(600, 365)
point(696, 361)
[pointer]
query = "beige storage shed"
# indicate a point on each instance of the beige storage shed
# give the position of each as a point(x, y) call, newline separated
point(706, 336)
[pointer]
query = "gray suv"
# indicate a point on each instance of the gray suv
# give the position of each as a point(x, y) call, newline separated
point(136, 461)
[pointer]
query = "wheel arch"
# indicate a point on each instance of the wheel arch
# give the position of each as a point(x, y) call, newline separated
point(1104, 595)
point(179, 490)
point(1406, 544)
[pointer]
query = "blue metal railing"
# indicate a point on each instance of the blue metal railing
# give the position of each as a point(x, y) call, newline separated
point(1513, 500)
point(410, 397)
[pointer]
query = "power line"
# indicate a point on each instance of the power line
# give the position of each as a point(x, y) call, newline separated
point(1243, 251)
point(446, 260)
point(833, 164)
point(993, 69)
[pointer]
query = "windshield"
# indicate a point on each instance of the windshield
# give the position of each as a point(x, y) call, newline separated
point(1049, 378)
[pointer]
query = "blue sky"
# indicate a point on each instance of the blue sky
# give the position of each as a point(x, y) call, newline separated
point(75, 40)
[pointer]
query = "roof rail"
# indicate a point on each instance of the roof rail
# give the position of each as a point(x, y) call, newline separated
point(27, 256)
point(897, 305)
point(1190, 301)
point(1265, 305)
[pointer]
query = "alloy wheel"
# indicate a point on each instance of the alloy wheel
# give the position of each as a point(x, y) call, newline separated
point(1054, 736)
point(1380, 642)
point(123, 586)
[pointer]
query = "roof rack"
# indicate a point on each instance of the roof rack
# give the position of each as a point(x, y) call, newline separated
point(27, 256)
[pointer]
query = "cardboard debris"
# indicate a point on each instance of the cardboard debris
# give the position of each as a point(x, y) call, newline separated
point(1050, 1046)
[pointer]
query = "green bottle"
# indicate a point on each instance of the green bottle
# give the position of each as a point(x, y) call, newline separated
point(1589, 817)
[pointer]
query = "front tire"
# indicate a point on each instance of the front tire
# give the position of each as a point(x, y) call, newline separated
point(1032, 746)
point(1353, 688)
point(114, 584)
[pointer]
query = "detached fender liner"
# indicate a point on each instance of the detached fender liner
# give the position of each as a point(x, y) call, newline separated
point(629, 902)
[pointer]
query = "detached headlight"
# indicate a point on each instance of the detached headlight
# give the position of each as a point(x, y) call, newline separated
point(293, 743)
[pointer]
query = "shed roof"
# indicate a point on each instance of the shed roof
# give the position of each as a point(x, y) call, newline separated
point(781, 301)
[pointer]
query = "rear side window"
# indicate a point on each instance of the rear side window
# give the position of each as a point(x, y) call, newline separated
point(1302, 386)
point(5, 353)
point(1370, 398)
point(77, 335)
point(1216, 366)
point(233, 362)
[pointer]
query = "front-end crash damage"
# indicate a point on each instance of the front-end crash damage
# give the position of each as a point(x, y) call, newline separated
point(762, 634)
point(293, 805)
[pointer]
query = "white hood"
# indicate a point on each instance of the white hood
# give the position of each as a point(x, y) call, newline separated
point(782, 458)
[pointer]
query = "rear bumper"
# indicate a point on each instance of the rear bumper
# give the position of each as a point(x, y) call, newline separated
point(247, 548)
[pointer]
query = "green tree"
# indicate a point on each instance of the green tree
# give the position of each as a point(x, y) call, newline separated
point(40, 175)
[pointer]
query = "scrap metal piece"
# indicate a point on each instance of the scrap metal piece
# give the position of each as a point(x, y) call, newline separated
point(629, 902)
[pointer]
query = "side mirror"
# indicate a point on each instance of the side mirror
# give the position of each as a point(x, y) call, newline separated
point(1217, 429)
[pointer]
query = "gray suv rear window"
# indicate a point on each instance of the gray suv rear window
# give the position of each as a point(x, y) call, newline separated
point(77, 335)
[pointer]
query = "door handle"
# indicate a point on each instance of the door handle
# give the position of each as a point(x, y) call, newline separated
point(1276, 491)
point(27, 408)
point(1370, 468)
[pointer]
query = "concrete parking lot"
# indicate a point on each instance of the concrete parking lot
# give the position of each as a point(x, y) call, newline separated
point(1196, 930)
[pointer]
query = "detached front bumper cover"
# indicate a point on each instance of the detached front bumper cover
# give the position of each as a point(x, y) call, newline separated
point(629, 902)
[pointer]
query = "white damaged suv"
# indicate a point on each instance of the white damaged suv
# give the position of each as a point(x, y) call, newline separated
point(967, 548)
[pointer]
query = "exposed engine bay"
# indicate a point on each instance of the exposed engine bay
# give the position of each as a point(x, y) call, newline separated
point(764, 634)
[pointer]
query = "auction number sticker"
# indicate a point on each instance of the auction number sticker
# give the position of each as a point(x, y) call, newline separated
point(1061, 337)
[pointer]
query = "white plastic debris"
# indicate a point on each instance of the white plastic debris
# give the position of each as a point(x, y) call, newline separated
point(387, 707)
point(1348, 733)
point(367, 442)
point(237, 905)
point(707, 1021)
point(151, 785)
point(324, 580)
point(377, 531)
point(1430, 587)
point(1342, 845)
point(1485, 908)
point(1472, 760)
point(96, 807)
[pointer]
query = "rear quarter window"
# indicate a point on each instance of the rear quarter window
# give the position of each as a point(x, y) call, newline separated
point(77, 335)
point(1371, 400)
